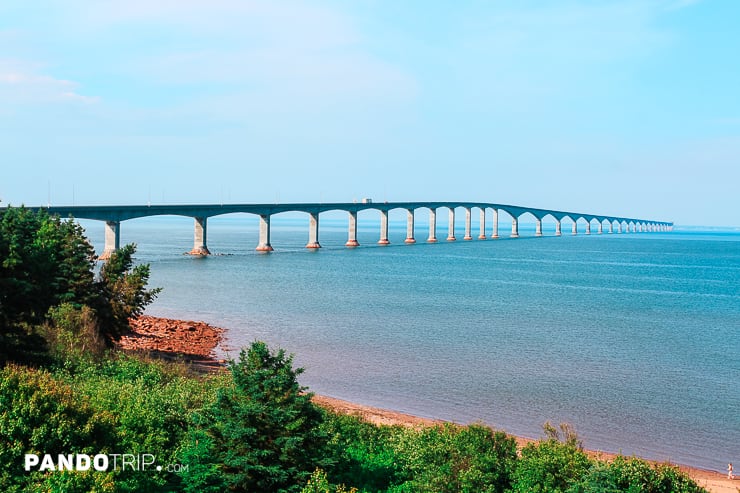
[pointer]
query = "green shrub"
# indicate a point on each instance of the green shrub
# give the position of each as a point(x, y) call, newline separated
point(319, 483)
point(43, 415)
point(451, 458)
point(363, 453)
point(635, 476)
point(151, 403)
point(73, 334)
point(550, 466)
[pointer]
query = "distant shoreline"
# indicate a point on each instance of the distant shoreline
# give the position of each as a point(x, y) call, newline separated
point(196, 343)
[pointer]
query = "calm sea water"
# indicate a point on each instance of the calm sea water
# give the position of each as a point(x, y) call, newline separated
point(634, 339)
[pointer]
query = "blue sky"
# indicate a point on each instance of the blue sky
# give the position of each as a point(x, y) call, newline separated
point(625, 107)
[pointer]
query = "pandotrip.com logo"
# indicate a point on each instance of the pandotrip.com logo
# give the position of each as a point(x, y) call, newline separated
point(97, 462)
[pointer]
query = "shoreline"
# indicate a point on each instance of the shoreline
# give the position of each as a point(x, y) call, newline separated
point(196, 343)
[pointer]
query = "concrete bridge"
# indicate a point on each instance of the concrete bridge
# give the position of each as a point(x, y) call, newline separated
point(114, 215)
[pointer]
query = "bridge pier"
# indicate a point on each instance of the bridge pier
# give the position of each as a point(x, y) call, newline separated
point(409, 227)
point(313, 230)
point(514, 227)
point(451, 226)
point(199, 241)
point(112, 239)
point(383, 229)
point(352, 230)
point(432, 226)
point(468, 221)
point(264, 243)
point(112, 216)
point(482, 235)
point(495, 224)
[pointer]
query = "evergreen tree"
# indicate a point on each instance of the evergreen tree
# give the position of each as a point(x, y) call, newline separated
point(47, 262)
point(263, 430)
point(122, 292)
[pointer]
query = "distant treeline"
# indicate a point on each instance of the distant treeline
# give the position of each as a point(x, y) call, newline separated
point(253, 428)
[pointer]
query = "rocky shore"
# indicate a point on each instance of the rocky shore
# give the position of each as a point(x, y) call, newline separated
point(171, 339)
point(196, 343)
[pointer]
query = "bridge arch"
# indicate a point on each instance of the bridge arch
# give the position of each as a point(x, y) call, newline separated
point(114, 215)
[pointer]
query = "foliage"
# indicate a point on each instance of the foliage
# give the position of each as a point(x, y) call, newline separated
point(44, 262)
point(123, 405)
point(363, 454)
point(635, 476)
point(47, 277)
point(263, 428)
point(452, 458)
point(122, 291)
point(319, 483)
point(564, 433)
point(73, 333)
point(254, 429)
point(551, 465)
point(151, 402)
point(42, 415)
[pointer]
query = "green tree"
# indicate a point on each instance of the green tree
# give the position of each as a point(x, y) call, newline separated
point(35, 272)
point(122, 292)
point(263, 430)
point(46, 262)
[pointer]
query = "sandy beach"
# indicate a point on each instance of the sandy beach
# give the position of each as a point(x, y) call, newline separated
point(196, 343)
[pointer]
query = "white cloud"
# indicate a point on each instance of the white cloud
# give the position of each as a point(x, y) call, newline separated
point(22, 83)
